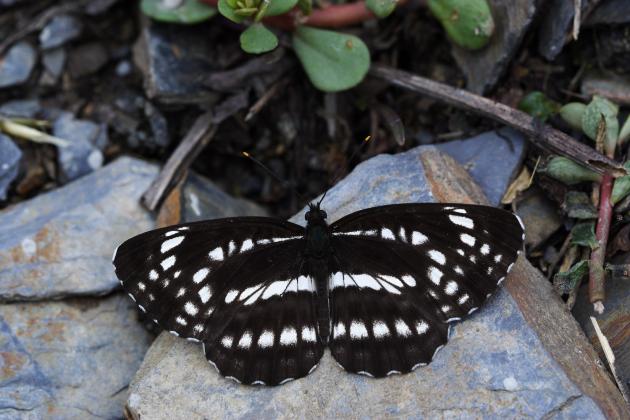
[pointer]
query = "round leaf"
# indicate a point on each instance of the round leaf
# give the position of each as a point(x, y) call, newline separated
point(228, 12)
point(279, 7)
point(538, 105)
point(468, 23)
point(381, 8)
point(257, 39)
point(569, 172)
point(592, 115)
point(184, 11)
point(572, 114)
point(333, 61)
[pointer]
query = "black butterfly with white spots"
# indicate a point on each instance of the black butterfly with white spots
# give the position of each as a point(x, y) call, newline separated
point(379, 287)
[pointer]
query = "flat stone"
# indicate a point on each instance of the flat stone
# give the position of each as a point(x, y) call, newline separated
point(173, 60)
point(87, 59)
point(97, 7)
point(71, 359)
point(24, 108)
point(610, 12)
point(60, 30)
point(54, 61)
point(557, 23)
point(484, 67)
point(492, 159)
point(17, 64)
point(84, 153)
point(61, 243)
point(540, 216)
point(10, 156)
point(615, 88)
point(493, 366)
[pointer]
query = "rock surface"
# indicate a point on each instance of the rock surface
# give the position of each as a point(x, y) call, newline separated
point(10, 156)
point(494, 364)
point(17, 64)
point(60, 30)
point(556, 24)
point(71, 359)
point(484, 67)
point(60, 244)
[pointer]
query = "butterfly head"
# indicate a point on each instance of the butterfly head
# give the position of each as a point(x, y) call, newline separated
point(315, 214)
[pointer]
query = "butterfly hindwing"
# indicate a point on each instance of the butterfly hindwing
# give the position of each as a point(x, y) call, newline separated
point(402, 273)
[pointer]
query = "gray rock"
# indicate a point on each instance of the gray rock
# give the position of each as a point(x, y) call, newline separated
point(10, 156)
point(174, 60)
point(24, 108)
point(97, 7)
point(491, 158)
point(84, 153)
point(493, 366)
point(87, 59)
point(484, 67)
point(60, 30)
point(18, 63)
point(610, 12)
point(60, 244)
point(123, 68)
point(556, 24)
point(71, 359)
point(540, 216)
point(54, 61)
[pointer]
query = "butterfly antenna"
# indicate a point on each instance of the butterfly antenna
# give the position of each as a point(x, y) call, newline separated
point(282, 182)
point(338, 173)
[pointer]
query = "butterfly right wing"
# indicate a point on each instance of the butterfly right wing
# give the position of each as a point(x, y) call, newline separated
point(237, 285)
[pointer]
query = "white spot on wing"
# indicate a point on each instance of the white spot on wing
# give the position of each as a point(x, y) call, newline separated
point(246, 340)
point(409, 280)
point(462, 221)
point(153, 275)
point(305, 284)
point(497, 258)
point(231, 247)
point(181, 321)
point(230, 296)
point(339, 330)
point(485, 249)
point(205, 294)
point(168, 263)
point(141, 286)
point(266, 339)
point(288, 337)
point(200, 275)
point(451, 288)
point(418, 238)
point(253, 298)
point(463, 299)
point(171, 233)
point(422, 327)
point(249, 291)
point(308, 334)
point(435, 275)
point(181, 292)
point(401, 328)
point(458, 270)
point(216, 254)
point(358, 330)
point(247, 245)
point(467, 239)
point(191, 309)
point(171, 243)
point(387, 234)
point(365, 281)
point(276, 288)
point(437, 256)
point(402, 234)
point(380, 329)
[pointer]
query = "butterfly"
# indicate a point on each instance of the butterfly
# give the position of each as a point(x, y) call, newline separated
point(379, 287)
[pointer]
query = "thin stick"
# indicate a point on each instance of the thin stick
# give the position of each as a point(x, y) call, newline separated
point(186, 152)
point(610, 358)
point(541, 135)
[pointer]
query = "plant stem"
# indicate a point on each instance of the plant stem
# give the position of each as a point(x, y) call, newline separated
point(597, 275)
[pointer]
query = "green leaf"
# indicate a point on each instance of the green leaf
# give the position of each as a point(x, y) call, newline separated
point(583, 234)
point(621, 187)
point(228, 12)
point(186, 12)
point(279, 7)
point(468, 23)
point(381, 8)
point(567, 281)
point(538, 105)
point(306, 6)
point(569, 172)
point(257, 39)
point(572, 114)
point(333, 61)
point(578, 205)
point(592, 115)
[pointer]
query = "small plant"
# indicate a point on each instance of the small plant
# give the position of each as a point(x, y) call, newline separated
point(599, 121)
point(333, 61)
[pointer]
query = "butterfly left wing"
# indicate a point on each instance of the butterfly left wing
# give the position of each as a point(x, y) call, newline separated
point(401, 273)
point(238, 285)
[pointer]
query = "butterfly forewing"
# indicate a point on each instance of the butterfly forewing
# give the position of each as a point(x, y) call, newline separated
point(401, 273)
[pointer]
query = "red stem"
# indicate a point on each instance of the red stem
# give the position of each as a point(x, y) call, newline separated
point(332, 16)
point(596, 289)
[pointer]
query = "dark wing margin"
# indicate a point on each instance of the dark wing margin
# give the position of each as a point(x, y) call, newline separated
point(402, 273)
point(237, 285)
